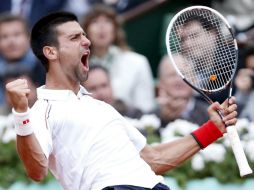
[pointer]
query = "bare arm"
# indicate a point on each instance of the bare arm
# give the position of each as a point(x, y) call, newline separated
point(32, 156)
point(28, 148)
point(164, 157)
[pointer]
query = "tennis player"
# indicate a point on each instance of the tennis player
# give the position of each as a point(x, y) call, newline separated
point(84, 142)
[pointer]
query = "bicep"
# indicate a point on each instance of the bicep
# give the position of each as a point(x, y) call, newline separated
point(164, 157)
point(152, 157)
point(147, 153)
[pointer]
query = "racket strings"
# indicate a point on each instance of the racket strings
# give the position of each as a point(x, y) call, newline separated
point(214, 69)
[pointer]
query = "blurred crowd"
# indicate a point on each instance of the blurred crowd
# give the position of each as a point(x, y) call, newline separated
point(119, 75)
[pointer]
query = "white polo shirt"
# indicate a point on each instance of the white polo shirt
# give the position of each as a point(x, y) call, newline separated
point(89, 145)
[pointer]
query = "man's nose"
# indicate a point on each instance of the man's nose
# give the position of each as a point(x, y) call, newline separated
point(86, 42)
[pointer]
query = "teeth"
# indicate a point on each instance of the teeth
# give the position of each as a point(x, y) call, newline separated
point(84, 51)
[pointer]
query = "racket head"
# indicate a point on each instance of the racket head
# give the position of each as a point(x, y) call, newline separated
point(203, 38)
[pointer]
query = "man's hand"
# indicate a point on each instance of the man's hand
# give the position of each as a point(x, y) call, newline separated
point(17, 92)
point(228, 109)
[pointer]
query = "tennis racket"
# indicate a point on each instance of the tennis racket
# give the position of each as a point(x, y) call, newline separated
point(205, 43)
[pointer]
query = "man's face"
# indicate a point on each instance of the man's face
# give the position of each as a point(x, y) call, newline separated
point(172, 82)
point(98, 84)
point(250, 62)
point(196, 42)
point(101, 31)
point(14, 40)
point(73, 51)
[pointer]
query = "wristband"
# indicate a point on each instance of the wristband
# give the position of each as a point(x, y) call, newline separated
point(206, 134)
point(22, 123)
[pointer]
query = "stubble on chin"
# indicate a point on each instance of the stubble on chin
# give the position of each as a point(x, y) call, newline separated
point(80, 76)
point(83, 77)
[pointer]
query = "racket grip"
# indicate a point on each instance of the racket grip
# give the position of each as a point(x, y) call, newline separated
point(238, 151)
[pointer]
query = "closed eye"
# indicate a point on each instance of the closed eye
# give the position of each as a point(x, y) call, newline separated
point(75, 37)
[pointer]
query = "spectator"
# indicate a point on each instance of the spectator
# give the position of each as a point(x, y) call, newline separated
point(90, 145)
point(195, 47)
point(120, 5)
point(15, 52)
point(245, 86)
point(12, 75)
point(238, 12)
point(175, 98)
point(99, 85)
point(78, 7)
point(130, 72)
point(31, 10)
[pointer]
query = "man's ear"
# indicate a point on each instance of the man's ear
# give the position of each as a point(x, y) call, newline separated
point(50, 52)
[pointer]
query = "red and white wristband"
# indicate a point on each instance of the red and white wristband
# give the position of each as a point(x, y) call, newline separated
point(22, 123)
point(206, 134)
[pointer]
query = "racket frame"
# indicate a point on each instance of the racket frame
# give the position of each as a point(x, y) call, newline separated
point(234, 139)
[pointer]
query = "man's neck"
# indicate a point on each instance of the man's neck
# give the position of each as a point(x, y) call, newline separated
point(57, 82)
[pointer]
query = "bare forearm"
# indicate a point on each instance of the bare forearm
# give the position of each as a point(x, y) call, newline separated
point(31, 154)
point(166, 156)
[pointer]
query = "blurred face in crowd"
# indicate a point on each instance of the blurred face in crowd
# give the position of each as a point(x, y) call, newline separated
point(98, 84)
point(101, 32)
point(250, 62)
point(195, 40)
point(173, 92)
point(14, 40)
point(171, 82)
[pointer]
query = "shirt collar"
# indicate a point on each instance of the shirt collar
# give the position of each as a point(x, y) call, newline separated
point(52, 94)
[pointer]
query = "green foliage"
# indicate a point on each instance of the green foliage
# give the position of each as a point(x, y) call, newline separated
point(217, 160)
point(225, 172)
point(152, 135)
point(12, 169)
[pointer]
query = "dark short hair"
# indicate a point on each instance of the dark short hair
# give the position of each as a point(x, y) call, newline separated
point(44, 33)
point(7, 17)
point(204, 22)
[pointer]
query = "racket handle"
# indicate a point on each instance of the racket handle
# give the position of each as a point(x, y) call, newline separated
point(238, 151)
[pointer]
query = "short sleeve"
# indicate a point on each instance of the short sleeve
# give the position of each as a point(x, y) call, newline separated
point(41, 130)
point(135, 136)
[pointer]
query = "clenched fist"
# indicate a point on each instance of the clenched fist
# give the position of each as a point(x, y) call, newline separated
point(18, 91)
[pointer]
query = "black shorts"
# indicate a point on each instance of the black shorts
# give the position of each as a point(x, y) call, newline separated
point(159, 186)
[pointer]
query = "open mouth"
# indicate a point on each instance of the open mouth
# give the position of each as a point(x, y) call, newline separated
point(84, 61)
